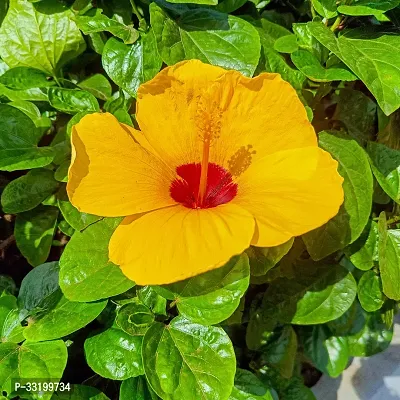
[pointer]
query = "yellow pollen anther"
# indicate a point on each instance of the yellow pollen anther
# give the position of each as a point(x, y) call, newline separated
point(241, 160)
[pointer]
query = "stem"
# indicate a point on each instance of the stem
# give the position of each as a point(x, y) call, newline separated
point(313, 13)
point(336, 23)
point(393, 220)
point(142, 21)
point(5, 243)
point(57, 81)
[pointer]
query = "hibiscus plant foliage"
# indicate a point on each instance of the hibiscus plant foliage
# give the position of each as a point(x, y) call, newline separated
point(270, 321)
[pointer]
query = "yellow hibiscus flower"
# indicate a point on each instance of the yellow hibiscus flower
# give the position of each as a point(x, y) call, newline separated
point(221, 162)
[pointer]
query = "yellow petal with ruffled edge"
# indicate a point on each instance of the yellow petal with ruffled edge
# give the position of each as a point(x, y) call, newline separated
point(111, 174)
point(290, 193)
point(176, 243)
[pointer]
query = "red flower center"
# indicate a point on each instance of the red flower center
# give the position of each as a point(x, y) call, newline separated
point(220, 187)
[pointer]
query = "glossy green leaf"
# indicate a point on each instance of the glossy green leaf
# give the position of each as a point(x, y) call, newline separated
point(385, 164)
point(368, 7)
point(357, 112)
point(262, 259)
point(78, 220)
point(42, 37)
point(62, 319)
point(211, 297)
point(9, 330)
point(350, 323)
point(134, 318)
point(94, 21)
point(130, 66)
point(210, 36)
point(330, 354)
point(296, 390)
point(309, 65)
point(61, 173)
point(150, 298)
point(372, 339)
point(43, 123)
point(269, 33)
point(249, 387)
point(34, 231)
point(71, 101)
point(286, 44)
point(316, 294)
point(363, 253)
point(136, 389)
point(189, 361)
point(389, 259)
point(32, 362)
point(114, 354)
point(370, 292)
point(18, 142)
point(28, 191)
point(372, 55)
point(326, 8)
point(7, 285)
point(353, 215)
point(98, 85)
point(40, 289)
point(280, 351)
point(80, 392)
point(20, 78)
point(86, 274)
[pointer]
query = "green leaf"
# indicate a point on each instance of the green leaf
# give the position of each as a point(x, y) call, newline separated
point(389, 259)
point(358, 114)
point(385, 164)
point(269, 33)
point(363, 253)
point(134, 318)
point(310, 66)
point(80, 392)
point(326, 8)
point(368, 7)
point(370, 292)
point(40, 289)
point(94, 21)
point(62, 319)
point(249, 387)
point(42, 40)
point(262, 259)
point(205, 2)
point(9, 332)
point(32, 362)
point(316, 294)
point(18, 142)
point(280, 351)
point(79, 221)
point(184, 360)
point(353, 215)
point(150, 298)
point(7, 285)
point(372, 339)
point(114, 354)
point(28, 191)
point(136, 389)
point(43, 123)
point(71, 101)
point(330, 354)
point(297, 391)
point(211, 297)
point(20, 78)
point(130, 66)
point(372, 55)
point(86, 274)
point(210, 36)
point(286, 44)
point(98, 85)
point(61, 173)
point(34, 231)
point(350, 323)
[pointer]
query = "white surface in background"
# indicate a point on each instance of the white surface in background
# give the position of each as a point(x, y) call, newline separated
point(373, 378)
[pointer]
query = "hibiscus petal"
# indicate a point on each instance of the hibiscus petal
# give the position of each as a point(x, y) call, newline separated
point(244, 118)
point(290, 193)
point(175, 243)
point(111, 174)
